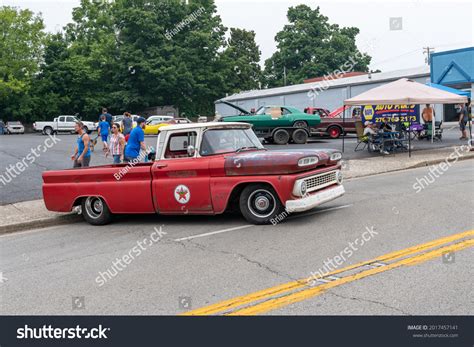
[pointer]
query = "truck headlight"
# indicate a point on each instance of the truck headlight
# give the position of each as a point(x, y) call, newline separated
point(339, 177)
point(307, 161)
point(336, 156)
point(303, 188)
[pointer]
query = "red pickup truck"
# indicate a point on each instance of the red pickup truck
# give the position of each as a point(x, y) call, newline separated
point(332, 123)
point(201, 168)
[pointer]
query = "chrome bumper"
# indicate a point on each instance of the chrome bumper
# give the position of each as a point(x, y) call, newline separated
point(312, 200)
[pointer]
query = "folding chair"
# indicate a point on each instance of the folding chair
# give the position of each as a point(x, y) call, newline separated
point(361, 138)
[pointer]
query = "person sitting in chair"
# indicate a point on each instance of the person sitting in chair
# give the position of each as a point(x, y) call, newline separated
point(374, 137)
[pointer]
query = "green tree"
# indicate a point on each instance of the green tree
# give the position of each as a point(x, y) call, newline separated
point(21, 38)
point(310, 46)
point(170, 54)
point(242, 57)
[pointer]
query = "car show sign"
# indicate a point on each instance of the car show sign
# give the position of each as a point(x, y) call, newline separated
point(394, 113)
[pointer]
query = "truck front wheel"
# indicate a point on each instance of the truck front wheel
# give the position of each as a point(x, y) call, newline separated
point(259, 204)
point(95, 211)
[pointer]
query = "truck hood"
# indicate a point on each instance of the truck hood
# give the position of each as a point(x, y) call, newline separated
point(278, 162)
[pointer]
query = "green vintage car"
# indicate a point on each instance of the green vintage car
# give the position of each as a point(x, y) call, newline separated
point(276, 124)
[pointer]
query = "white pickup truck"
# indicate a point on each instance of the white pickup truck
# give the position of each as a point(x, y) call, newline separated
point(62, 124)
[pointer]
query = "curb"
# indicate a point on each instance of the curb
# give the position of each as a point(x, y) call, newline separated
point(40, 223)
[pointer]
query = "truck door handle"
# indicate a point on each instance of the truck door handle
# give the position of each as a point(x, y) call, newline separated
point(161, 166)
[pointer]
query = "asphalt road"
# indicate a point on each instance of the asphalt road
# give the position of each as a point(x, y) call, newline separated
point(27, 185)
point(200, 261)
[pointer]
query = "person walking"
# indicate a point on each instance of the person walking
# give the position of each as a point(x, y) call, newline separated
point(127, 123)
point(463, 118)
point(136, 141)
point(108, 116)
point(82, 153)
point(117, 144)
point(103, 130)
point(2, 127)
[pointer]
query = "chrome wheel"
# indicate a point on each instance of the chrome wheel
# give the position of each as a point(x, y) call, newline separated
point(261, 203)
point(94, 207)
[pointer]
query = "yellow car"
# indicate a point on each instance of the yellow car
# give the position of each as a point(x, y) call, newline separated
point(153, 127)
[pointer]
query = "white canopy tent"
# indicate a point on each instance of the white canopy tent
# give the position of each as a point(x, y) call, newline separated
point(405, 92)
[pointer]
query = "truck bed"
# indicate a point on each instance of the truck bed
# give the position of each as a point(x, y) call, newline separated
point(125, 189)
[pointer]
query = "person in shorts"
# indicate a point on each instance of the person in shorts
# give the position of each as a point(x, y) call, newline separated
point(82, 153)
point(104, 132)
point(463, 119)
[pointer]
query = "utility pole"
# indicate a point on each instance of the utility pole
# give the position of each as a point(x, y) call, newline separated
point(284, 75)
point(428, 50)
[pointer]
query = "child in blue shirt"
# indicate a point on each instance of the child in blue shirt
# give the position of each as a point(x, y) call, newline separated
point(104, 131)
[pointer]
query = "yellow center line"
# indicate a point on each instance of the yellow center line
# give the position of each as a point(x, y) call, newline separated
point(227, 305)
point(292, 298)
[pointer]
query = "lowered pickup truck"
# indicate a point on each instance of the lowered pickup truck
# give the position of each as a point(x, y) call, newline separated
point(62, 124)
point(202, 168)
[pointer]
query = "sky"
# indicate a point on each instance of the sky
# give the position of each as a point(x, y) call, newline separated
point(442, 25)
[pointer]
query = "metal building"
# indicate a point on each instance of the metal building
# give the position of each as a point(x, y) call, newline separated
point(328, 94)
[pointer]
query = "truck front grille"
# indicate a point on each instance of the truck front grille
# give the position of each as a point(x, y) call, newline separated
point(320, 181)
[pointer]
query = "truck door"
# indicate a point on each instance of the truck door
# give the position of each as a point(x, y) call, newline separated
point(180, 182)
point(60, 123)
point(69, 123)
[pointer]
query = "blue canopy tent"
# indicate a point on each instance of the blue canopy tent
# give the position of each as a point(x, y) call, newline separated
point(451, 90)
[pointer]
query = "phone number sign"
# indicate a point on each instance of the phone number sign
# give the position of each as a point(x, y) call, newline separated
point(394, 113)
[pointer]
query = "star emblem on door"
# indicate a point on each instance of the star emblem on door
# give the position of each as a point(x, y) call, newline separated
point(182, 194)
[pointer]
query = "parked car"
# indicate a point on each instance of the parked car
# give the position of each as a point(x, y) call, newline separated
point(276, 124)
point(160, 118)
point(202, 168)
point(62, 124)
point(332, 123)
point(153, 126)
point(15, 127)
point(179, 120)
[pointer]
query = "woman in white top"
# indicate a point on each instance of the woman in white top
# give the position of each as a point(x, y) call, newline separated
point(117, 144)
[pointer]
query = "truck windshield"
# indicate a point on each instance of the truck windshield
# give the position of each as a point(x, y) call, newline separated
point(216, 141)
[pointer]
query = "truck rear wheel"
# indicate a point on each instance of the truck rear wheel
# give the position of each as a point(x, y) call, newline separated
point(300, 136)
point(281, 137)
point(95, 211)
point(48, 131)
point(300, 124)
point(334, 132)
point(259, 204)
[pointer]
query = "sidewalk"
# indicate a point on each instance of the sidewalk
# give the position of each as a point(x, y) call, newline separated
point(400, 161)
point(33, 214)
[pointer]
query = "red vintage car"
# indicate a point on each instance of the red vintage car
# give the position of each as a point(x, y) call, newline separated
point(201, 168)
point(332, 123)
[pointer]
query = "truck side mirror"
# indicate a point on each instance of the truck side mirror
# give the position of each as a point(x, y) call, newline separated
point(191, 151)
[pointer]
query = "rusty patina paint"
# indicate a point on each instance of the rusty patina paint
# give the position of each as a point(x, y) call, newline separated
point(273, 162)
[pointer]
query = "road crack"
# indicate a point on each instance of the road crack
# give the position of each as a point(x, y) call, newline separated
point(237, 255)
point(371, 301)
